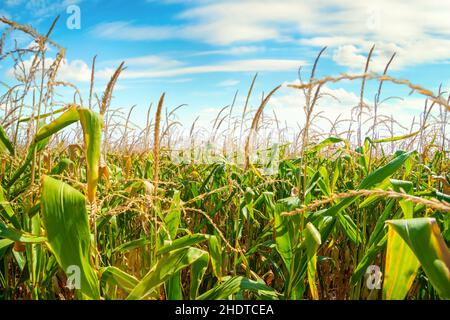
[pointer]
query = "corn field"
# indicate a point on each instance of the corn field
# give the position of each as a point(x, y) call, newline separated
point(93, 208)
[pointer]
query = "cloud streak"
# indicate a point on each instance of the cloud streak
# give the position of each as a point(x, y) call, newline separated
point(418, 30)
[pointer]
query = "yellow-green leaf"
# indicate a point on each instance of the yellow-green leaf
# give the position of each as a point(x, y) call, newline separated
point(92, 124)
point(423, 238)
point(66, 221)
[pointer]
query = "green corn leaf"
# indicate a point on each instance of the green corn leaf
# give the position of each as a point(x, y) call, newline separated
point(368, 259)
point(131, 245)
point(328, 142)
point(185, 241)
point(198, 270)
point(18, 235)
point(4, 245)
point(312, 243)
point(237, 284)
point(69, 238)
point(173, 217)
point(350, 228)
point(372, 180)
point(6, 210)
point(5, 145)
point(215, 251)
point(406, 136)
point(167, 266)
point(423, 238)
point(118, 277)
point(283, 238)
point(67, 118)
point(92, 124)
point(62, 165)
point(400, 268)
point(174, 289)
point(386, 171)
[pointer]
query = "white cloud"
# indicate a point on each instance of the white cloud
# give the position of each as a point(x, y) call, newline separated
point(418, 30)
point(251, 65)
point(146, 67)
point(152, 60)
point(123, 30)
point(46, 8)
point(229, 83)
point(71, 71)
point(240, 50)
point(288, 105)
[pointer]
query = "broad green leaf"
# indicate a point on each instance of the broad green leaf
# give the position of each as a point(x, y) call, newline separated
point(5, 145)
point(400, 268)
point(4, 245)
point(198, 269)
point(6, 210)
point(18, 235)
point(133, 244)
point(328, 142)
point(367, 260)
point(66, 221)
point(67, 118)
point(386, 171)
point(92, 124)
point(283, 238)
point(173, 217)
point(61, 166)
point(34, 147)
point(118, 277)
point(167, 265)
point(423, 237)
point(237, 284)
point(185, 241)
point(215, 252)
point(312, 243)
point(350, 228)
point(372, 180)
point(174, 289)
point(406, 136)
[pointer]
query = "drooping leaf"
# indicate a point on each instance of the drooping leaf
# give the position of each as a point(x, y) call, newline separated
point(198, 269)
point(67, 118)
point(92, 124)
point(400, 268)
point(215, 251)
point(237, 284)
point(66, 221)
point(173, 217)
point(5, 144)
point(283, 238)
point(174, 289)
point(6, 210)
point(18, 235)
point(118, 277)
point(312, 243)
point(167, 265)
point(424, 240)
point(185, 241)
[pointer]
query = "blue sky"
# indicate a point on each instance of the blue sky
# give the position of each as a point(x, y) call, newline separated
point(200, 52)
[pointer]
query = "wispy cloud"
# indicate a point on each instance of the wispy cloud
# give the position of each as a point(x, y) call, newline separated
point(418, 30)
point(71, 71)
point(127, 31)
point(240, 50)
point(250, 65)
point(228, 83)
